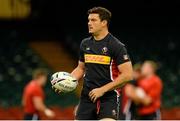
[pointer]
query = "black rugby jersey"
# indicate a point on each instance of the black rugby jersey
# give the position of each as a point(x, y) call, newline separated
point(98, 57)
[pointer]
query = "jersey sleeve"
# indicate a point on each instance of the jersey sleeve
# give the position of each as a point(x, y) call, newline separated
point(120, 54)
point(81, 53)
point(155, 90)
point(37, 92)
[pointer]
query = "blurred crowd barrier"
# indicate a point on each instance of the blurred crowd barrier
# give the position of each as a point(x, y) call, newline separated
point(16, 113)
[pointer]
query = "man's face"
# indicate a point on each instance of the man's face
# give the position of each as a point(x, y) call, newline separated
point(43, 80)
point(136, 74)
point(146, 69)
point(94, 23)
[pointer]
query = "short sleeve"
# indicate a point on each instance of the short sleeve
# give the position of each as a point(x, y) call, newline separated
point(81, 53)
point(120, 54)
point(37, 92)
point(156, 89)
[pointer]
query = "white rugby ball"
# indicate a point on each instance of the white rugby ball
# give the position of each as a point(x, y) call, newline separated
point(63, 81)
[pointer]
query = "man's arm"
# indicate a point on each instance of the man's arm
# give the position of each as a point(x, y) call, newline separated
point(79, 71)
point(40, 106)
point(137, 94)
point(124, 77)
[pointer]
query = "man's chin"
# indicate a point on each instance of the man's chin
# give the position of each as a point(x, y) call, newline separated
point(90, 32)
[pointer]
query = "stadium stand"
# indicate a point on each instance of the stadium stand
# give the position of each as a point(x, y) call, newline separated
point(17, 61)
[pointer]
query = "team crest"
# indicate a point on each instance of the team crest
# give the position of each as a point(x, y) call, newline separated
point(104, 50)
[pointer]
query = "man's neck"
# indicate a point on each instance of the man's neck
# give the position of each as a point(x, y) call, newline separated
point(149, 75)
point(101, 35)
point(38, 82)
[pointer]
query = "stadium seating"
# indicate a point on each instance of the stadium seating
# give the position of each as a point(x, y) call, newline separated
point(17, 61)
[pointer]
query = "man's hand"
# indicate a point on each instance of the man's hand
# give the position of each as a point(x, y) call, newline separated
point(129, 90)
point(49, 113)
point(56, 90)
point(96, 93)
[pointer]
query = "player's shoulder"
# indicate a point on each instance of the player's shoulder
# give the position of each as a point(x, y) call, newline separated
point(156, 78)
point(34, 86)
point(115, 41)
point(86, 40)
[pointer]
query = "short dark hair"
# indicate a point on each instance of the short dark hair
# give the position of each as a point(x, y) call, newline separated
point(104, 14)
point(39, 72)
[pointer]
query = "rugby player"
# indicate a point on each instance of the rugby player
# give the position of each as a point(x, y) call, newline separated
point(128, 107)
point(147, 94)
point(33, 97)
point(98, 54)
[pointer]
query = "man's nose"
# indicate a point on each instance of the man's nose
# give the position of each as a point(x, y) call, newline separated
point(89, 23)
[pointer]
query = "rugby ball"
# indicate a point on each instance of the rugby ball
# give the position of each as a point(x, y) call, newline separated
point(63, 81)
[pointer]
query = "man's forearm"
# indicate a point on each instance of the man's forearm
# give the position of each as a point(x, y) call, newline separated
point(134, 97)
point(39, 104)
point(77, 73)
point(40, 107)
point(139, 96)
point(125, 76)
point(118, 82)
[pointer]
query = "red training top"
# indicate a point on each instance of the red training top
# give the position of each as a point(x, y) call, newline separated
point(31, 90)
point(153, 88)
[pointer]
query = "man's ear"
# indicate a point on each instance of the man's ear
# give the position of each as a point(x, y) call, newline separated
point(104, 22)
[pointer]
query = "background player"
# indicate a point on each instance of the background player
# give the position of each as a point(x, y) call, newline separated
point(97, 54)
point(33, 97)
point(127, 106)
point(147, 94)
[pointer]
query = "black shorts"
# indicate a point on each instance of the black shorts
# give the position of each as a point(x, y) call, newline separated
point(31, 117)
point(105, 107)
